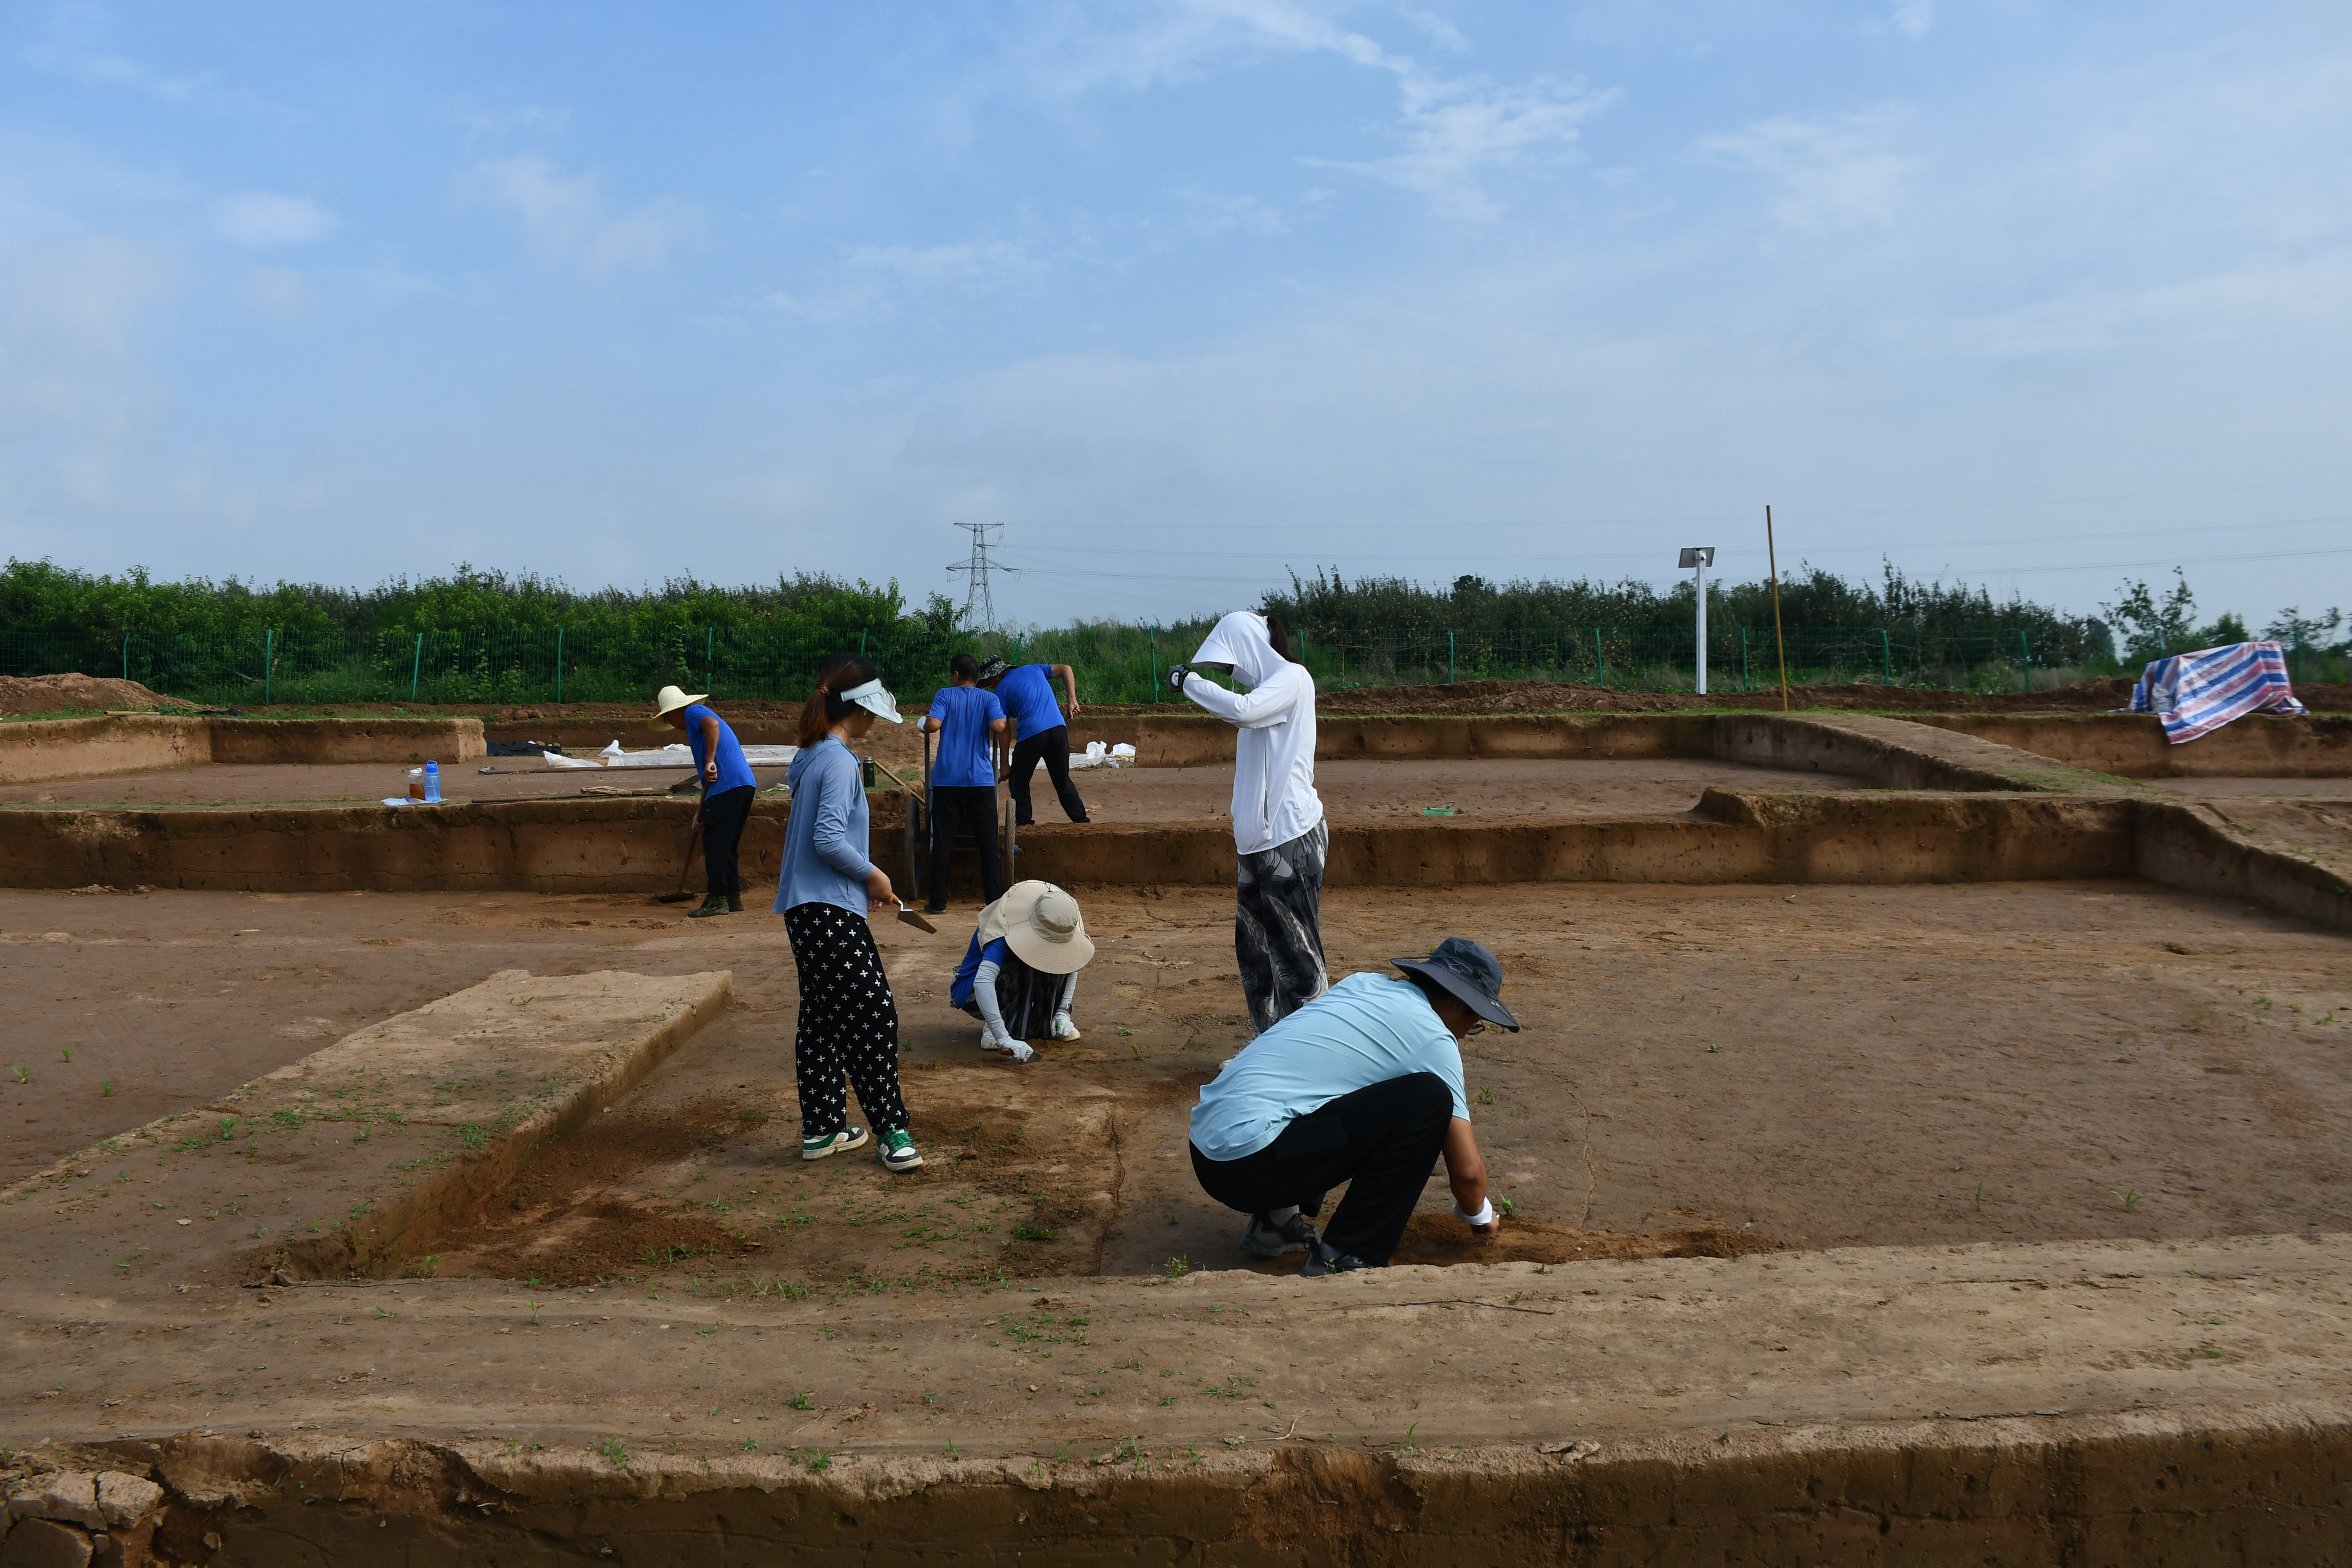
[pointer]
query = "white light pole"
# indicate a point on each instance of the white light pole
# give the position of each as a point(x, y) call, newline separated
point(1701, 556)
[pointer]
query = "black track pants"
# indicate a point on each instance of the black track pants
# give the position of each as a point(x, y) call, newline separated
point(958, 809)
point(1053, 747)
point(723, 815)
point(1382, 1141)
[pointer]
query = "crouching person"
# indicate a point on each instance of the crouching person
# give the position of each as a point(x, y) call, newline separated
point(1019, 973)
point(1362, 1085)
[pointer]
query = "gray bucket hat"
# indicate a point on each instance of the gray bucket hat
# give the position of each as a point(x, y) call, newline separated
point(1471, 973)
point(990, 668)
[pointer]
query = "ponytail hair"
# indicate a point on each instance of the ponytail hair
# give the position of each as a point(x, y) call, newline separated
point(824, 709)
point(1279, 637)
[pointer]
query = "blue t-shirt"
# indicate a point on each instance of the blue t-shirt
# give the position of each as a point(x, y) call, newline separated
point(1365, 1030)
point(1027, 694)
point(965, 713)
point(968, 973)
point(734, 772)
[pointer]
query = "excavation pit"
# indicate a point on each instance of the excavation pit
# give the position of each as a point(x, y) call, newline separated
point(1968, 1211)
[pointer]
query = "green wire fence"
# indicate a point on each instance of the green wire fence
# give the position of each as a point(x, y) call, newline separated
point(1114, 663)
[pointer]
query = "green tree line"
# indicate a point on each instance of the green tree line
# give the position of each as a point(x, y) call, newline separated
point(37, 596)
point(40, 597)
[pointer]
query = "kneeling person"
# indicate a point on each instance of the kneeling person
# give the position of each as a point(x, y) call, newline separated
point(1362, 1084)
point(1019, 973)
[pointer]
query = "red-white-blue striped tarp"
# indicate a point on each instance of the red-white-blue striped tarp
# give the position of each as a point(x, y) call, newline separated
point(2196, 693)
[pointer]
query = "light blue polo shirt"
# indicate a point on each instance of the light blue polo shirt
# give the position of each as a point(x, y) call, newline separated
point(1365, 1030)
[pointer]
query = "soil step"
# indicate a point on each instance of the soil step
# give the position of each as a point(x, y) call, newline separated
point(346, 1161)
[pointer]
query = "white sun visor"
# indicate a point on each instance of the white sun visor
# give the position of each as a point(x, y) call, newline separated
point(875, 700)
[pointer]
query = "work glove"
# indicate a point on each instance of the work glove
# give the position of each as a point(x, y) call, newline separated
point(1176, 674)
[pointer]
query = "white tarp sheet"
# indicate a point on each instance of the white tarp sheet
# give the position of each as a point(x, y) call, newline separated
point(1097, 755)
point(676, 756)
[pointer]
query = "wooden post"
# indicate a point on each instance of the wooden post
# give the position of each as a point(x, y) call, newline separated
point(1772, 561)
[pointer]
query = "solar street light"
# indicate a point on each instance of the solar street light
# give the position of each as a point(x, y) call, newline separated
point(1701, 556)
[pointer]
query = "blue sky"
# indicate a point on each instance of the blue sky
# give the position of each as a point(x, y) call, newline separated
point(1186, 295)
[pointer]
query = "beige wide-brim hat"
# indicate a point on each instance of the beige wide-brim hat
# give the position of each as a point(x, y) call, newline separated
point(670, 701)
point(1043, 927)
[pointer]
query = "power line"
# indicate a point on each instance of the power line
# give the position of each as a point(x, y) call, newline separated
point(979, 601)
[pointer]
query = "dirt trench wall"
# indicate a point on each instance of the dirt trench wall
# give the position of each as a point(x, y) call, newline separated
point(2260, 746)
point(41, 750)
point(2032, 1493)
point(584, 846)
point(1735, 836)
point(387, 740)
point(45, 749)
point(2192, 846)
point(589, 846)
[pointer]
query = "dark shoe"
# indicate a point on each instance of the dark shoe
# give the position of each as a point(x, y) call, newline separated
point(713, 905)
point(734, 903)
point(1323, 1259)
point(935, 909)
point(1268, 1239)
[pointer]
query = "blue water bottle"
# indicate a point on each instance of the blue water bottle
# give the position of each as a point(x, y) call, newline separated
point(433, 784)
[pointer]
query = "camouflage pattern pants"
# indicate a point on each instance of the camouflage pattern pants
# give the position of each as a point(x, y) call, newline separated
point(1278, 926)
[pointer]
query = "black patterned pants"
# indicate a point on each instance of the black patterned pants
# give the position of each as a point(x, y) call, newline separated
point(1278, 927)
point(848, 1024)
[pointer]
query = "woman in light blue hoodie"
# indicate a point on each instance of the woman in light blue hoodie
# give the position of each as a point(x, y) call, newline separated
point(848, 1023)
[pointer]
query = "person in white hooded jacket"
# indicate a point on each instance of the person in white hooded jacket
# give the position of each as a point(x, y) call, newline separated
point(1278, 828)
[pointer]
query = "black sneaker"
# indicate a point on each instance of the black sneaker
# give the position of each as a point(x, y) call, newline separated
point(1266, 1239)
point(935, 909)
point(1324, 1258)
point(714, 905)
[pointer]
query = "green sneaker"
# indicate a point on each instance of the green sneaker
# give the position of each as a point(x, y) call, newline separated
point(897, 1151)
point(818, 1148)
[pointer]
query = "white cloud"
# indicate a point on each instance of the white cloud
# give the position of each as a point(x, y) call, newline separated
point(2221, 306)
point(79, 48)
point(1912, 18)
point(1456, 131)
point(1833, 174)
point(259, 220)
point(1453, 129)
point(570, 223)
point(881, 276)
point(496, 122)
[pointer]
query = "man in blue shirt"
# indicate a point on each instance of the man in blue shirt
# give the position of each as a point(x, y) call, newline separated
point(1362, 1085)
point(969, 723)
point(727, 791)
point(1041, 732)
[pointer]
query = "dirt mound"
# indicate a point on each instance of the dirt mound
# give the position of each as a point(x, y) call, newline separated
point(22, 694)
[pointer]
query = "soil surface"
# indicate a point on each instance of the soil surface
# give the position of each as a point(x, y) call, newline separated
point(24, 694)
point(1487, 788)
point(1703, 1071)
point(2261, 789)
point(1352, 789)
